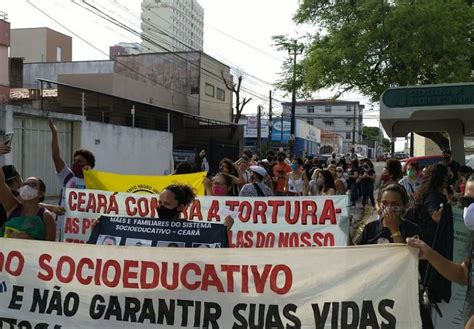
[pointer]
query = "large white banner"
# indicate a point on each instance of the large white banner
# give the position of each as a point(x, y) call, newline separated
point(61, 285)
point(274, 222)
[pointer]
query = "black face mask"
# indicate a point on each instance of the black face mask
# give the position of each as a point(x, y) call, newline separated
point(466, 201)
point(281, 159)
point(167, 213)
point(447, 159)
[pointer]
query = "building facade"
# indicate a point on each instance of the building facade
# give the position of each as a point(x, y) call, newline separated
point(189, 82)
point(4, 44)
point(172, 25)
point(343, 118)
point(40, 45)
point(125, 48)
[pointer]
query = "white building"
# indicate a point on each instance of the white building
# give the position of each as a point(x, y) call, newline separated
point(172, 25)
point(337, 116)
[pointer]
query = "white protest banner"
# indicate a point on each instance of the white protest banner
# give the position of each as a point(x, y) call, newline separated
point(258, 222)
point(53, 285)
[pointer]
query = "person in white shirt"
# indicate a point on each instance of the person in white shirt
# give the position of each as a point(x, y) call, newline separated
point(256, 187)
point(69, 177)
point(412, 181)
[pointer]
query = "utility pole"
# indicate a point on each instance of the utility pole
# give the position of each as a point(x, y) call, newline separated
point(354, 128)
point(270, 123)
point(293, 100)
point(259, 133)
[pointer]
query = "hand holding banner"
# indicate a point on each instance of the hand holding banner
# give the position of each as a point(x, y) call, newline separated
point(92, 286)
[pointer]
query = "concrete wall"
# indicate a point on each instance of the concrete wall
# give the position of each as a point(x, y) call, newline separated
point(128, 150)
point(425, 146)
point(51, 71)
point(29, 44)
point(55, 39)
point(211, 106)
point(39, 45)
point(4, 44)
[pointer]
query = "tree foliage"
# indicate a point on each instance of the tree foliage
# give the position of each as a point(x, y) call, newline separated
point(373, 133)
point(284, 43)
point(372, 45)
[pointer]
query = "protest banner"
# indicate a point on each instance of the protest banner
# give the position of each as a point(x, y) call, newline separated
point(453, 317)
point(90, 286)
point(258, 222)
point(107, 181)
point(154, 232)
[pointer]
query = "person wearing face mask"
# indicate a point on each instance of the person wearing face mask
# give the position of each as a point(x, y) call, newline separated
point(340, 182)
point(220, 185)
point(280, 170)
point(325, 180)
point(391, 226)
point(69, 177)
point(26, 219)
point(432, 212)
point(256, 188)
point(315, 186)
point(411, 182)
point(296, 181)
point(173, 200)
point(454, 272)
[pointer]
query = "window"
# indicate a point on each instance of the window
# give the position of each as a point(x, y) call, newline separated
point(348, 108)
point(348, 122)
point(328, 122)
point(220, 95)
point(310, 121)
point(310, 109)
point(209, 90)
point(348, 135)
point(58, 54)
point(327, 109)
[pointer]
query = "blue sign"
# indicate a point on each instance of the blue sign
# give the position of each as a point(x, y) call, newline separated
point(277, 135)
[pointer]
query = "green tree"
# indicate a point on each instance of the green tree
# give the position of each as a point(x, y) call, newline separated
point(372, 45)
point(284, 43)
point(373, 133)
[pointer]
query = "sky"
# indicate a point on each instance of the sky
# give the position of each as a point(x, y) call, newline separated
point(251, 22)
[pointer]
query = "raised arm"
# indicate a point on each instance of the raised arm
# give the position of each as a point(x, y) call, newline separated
point(58, 161)
point(7, 199)
point(454, 272)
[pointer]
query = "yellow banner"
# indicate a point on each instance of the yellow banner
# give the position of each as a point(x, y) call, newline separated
point(107, 181)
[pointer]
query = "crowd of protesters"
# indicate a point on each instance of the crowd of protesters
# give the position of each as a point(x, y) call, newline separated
point(415, 205)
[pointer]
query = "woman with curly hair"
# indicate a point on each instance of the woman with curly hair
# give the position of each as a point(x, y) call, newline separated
point(434, 215)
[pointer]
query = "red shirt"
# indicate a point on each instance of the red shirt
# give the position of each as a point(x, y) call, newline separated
point(280, 171)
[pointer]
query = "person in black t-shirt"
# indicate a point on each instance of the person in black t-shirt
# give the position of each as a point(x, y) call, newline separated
point(391, 227)
point(367, 181)
point(352, 181)
point(435, 217)
point(453, 171)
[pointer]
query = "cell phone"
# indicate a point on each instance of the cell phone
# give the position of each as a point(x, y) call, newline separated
point(7, 139)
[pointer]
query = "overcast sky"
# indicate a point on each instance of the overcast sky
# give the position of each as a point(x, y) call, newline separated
point(251, 21)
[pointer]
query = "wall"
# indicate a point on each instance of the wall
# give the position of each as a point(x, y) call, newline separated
point(51, 71)
point(425, 146)
point(128, 150)
point(4, 44)
point(29, 44)
point(210, 106)
point(55, 39)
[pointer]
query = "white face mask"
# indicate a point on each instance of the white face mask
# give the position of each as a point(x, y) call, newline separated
point(469, 217)
point(28, 193)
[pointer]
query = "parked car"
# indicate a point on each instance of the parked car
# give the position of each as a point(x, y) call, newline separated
point(470, 160)
point(423, 161)
point(401, 155)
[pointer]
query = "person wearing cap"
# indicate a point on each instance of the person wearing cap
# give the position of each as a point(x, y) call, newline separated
point(256, 187)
